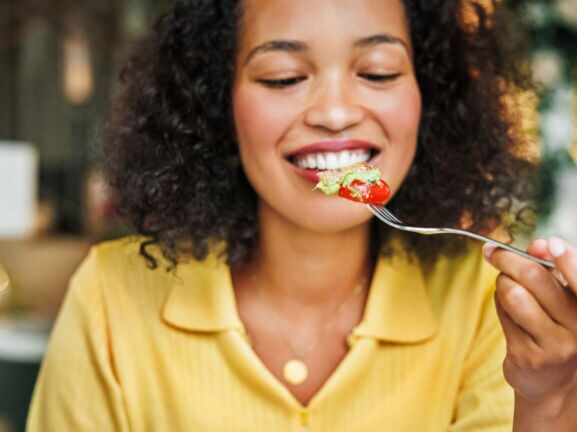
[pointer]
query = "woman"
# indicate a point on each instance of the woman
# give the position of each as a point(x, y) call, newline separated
point(284, 309)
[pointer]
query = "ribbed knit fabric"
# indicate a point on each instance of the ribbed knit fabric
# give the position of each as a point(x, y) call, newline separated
point(140, 350)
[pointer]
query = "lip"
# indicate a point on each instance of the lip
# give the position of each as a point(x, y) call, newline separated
point(310, 176)
point(334, 146)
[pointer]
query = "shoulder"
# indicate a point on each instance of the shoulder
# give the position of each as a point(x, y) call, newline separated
point(458, 287)
point(124, 251)
point(469, 268)
point(121, 258)
point(117, 268)
point(461, 287)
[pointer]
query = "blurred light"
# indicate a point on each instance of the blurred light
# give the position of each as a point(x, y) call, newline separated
point(573, 148)
point(547, 68)
point(557, 126)
point(4, 281)
point(567, 11)
point(78, 77)
point(18, 188)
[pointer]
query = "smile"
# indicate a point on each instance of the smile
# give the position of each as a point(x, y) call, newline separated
point(331, 160)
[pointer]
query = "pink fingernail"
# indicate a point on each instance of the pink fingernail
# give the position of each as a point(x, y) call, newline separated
point(556, 247)
point(488, 250)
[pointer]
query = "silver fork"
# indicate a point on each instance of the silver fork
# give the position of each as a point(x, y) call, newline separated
point(390, 219)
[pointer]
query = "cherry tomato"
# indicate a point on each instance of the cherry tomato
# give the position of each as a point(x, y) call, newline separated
point(366, 193)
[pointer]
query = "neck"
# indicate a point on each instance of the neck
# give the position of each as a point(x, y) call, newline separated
point(306, 269)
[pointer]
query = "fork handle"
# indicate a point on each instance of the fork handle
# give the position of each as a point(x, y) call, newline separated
point(500, 245)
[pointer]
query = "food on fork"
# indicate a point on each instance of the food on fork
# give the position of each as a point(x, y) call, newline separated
point(359, 182)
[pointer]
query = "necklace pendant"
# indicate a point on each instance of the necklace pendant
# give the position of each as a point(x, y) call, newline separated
point(295, 372)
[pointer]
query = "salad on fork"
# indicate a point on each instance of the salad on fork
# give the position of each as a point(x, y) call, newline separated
point(363, 183)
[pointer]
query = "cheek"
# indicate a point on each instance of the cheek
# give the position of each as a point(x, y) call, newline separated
point(257, 122)
point(259, 129)
point(400, 118)
point(247, 117)
point(403, 114)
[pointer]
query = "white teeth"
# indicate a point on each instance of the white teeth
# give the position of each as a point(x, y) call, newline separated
point(321, 162)
point(344, 159)
point(360, 157)
point(332, 160)
point(311, 161)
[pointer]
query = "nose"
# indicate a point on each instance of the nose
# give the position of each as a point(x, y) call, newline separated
point(334, 105)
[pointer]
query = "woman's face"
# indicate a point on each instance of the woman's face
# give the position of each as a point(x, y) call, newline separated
point(322, 84)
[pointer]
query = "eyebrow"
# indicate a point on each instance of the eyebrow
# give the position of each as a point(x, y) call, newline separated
point(295, 46)
point(277, 45)
point(381, 38)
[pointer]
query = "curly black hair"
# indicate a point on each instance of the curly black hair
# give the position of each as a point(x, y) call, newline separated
point(172, 160)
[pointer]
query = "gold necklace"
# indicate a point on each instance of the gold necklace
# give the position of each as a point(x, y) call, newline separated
point(295, 370)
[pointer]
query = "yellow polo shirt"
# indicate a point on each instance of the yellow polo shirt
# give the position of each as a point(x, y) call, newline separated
point(140, 350)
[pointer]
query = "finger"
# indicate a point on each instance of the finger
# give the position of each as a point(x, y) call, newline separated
point(565, 258)
point(540, 249)
point(525, 354)
point(560, 304)
point(521, 347)
point(525, 311)
point(515, 336)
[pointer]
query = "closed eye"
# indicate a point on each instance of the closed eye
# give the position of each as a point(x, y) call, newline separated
point(281, 83)
point(379, 78)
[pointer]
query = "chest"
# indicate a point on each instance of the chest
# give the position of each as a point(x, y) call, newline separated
point(303, 369)
point(217, 382)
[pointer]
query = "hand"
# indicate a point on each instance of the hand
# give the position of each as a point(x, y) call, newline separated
point(537, 308)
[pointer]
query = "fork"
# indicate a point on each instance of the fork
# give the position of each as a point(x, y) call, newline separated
point(381, 212)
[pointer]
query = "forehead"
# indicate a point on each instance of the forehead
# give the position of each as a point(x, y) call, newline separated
point(313, 21)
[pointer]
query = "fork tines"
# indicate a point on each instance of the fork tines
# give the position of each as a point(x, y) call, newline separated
point(385, 213)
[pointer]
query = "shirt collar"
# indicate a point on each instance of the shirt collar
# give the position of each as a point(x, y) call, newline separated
point(201, 298)
point(398, 308)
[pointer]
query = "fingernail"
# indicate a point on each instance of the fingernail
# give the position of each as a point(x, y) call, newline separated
point(556, 247)
point(560, 278)
point(488, 250)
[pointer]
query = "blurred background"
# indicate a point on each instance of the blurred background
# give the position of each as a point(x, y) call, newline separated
point(59, 62)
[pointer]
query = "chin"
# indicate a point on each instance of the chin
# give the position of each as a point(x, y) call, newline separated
point(330, 219)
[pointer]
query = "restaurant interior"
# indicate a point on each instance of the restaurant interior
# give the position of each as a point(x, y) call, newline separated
point(59, 66)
